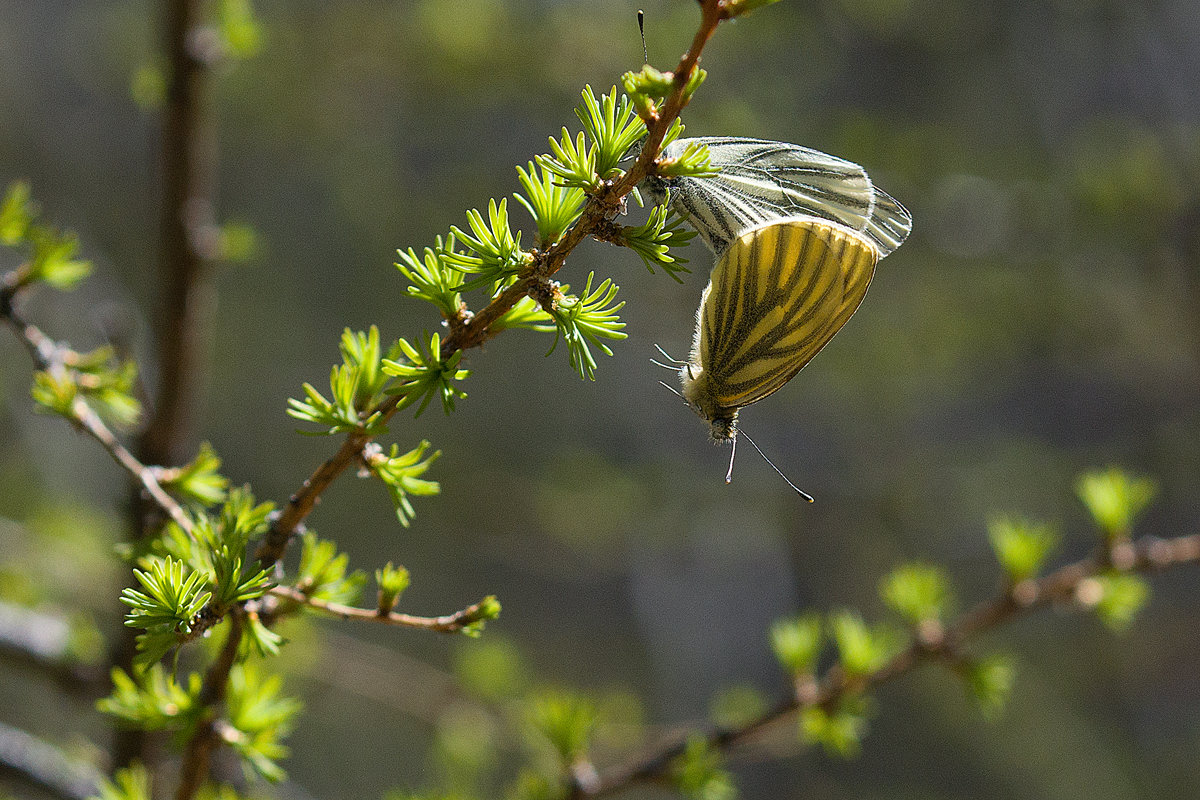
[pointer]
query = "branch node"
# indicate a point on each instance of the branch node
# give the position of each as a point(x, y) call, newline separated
point(808, 691)
point(204, 46)
point(584, 777)
point(1025, 593)
point(1089, 592)
point(931, 636)
point(1123, 555)
point(371, 455)
point(608, 231)
point(546, 293)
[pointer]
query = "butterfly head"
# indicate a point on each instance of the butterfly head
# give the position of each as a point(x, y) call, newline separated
point(698, 393)
point(656, 186)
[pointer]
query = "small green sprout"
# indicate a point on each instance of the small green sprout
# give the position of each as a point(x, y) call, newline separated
point(1115, 499)
point(424, 374)
point(797, 643)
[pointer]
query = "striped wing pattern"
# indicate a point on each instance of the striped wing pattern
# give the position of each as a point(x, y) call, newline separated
point(760, 181)
point(777, 296)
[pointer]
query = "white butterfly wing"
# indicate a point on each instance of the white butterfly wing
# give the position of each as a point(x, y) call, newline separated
point(890, 223)
point(760, 181)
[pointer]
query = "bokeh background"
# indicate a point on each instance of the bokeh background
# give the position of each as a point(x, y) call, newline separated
point(1043, 319)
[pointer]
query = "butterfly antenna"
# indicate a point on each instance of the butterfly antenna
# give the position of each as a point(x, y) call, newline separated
point(668, 357)
point(642, 30)
point(799, 491)
point(672, 390)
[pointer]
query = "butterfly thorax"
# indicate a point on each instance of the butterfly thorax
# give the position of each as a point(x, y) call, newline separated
point(722, 420)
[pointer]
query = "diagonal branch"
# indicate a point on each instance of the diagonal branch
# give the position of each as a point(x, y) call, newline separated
point(1068, 584)
point(48, 356)
point(52, 771)
point(42, 641)
point(599, 208)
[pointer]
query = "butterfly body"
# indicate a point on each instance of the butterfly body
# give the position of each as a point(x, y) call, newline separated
point(778, 294)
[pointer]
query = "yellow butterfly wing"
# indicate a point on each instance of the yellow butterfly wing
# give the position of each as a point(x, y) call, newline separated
point(777, 296)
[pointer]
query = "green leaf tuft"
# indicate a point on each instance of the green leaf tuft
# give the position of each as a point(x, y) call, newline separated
point(649, 87)
point(989, 681)
point(432, 276)
point(486, 610)
point(1021, 546)
point(863, 649)
point(53, 259)
point(584, 321)
point(839, 732)
point(797, 643)
point(493, 251)
point(566, 721)
point(198, 482)
point(1120, 597)
point(54, 393)
point(401, 474)
point(153, 700)
point(612, 125)
point(424, 374)
point(573, 161)
point(323, 572)
point(261, 716)
point(653, 240)
point(553, 207)
point(1115, 499)
point(697, 772)
point(131, 783)
point(693, 162)
point(17, 212)
point(356, 386)
point(917, 592)
point(392, 581)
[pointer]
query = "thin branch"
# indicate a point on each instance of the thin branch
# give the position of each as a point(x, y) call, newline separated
point(197, 754)
point(188, 240)
point(450, 623)
point(473, 332)
point(45, 766)
point(41, 642)
point(189, 231)
point(48, 356)
point(1065, 584)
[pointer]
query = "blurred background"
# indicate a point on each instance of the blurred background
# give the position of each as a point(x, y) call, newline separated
point(1043, 319)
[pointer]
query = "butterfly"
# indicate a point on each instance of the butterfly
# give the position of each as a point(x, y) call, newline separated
point(778, 294)
point(759, 181)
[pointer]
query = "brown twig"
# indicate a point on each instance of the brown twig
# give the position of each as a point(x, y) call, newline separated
point(1063, 585)
point(476, 330)
point(189, 231)
point(48, 356)
point(197, 754)
point(449, 623)
point(188, 234)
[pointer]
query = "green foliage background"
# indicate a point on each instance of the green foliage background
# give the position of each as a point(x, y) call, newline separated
point(1044, 318)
